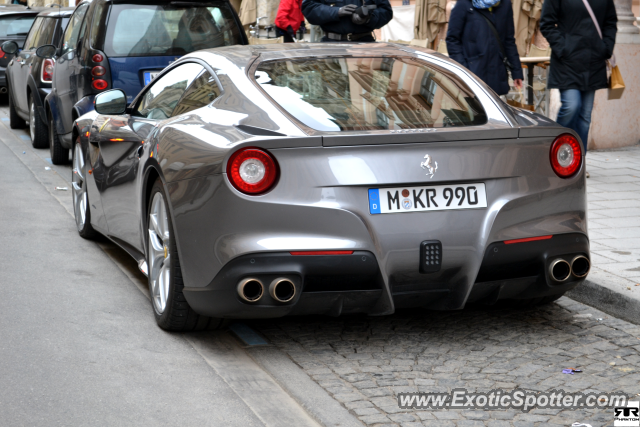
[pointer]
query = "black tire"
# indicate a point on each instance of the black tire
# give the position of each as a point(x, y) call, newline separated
point(59, 154)
point(177, 316)
point(79, 190)
point(15, 121)
point(39, 132)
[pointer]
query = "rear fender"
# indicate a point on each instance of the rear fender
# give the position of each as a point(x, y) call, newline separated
point(51, 109)
point(33, 90)
point(84, 106)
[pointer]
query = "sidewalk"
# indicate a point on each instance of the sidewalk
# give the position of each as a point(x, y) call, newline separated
point(613, 285)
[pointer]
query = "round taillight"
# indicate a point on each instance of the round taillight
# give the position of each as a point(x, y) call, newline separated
point(1, 53)
point(99, 84)
point(97, 58)
point(252, 170)
point(565, 155)
point(98, 71)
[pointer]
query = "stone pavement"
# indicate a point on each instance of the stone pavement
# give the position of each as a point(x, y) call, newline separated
point(363, 362)
point(614, 219)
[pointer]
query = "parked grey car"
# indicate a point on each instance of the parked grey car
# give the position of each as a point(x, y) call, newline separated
point(264, 181)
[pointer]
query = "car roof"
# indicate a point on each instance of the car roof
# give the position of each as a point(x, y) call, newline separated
point(19, 11)
point(242, 55)
point(55, 12)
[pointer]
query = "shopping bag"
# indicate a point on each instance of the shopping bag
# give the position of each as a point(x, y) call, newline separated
point(520, 104)
point(616, 84)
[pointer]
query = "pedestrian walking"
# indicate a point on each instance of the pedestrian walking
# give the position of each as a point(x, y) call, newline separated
point(348, 20)
point(578, 56)
point(481, 37)
point(289, 19)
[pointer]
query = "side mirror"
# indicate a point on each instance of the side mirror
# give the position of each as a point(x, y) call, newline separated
point(10, 47)
point(111, 102)
point(46, 51)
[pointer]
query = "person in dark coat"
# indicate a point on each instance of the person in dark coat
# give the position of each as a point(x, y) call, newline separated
point(578, 56)
point(346, 20)
point(471, 41)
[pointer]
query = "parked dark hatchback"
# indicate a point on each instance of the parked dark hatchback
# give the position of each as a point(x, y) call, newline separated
point(15, 22)
point(124, 44)
point(29, 76)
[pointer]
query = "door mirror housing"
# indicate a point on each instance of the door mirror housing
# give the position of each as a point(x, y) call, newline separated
point(111, 102)
point(46, 51)
point(10, 47)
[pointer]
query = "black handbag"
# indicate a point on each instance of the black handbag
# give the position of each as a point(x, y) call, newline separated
point(505, 61)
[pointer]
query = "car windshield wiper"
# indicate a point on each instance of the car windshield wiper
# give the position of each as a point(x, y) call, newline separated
point(18, 34)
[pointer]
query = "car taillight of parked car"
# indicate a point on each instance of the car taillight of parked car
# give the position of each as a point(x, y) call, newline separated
point(47, 70)
point(1, 53)
point(98, 73)
point(252, 170)
point(99, 84)
point(565, 155)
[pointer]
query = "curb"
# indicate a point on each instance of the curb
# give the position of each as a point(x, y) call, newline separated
point(604, 299)
point(314, 399)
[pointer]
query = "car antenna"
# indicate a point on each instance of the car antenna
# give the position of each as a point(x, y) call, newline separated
point(55, 4)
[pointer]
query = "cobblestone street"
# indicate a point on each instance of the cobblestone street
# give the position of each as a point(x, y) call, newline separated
point(365, 361)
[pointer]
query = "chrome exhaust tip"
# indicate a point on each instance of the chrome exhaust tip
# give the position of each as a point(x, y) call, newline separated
point(580, 266)
point(560, 270)
point(250, 289)
point(282, 289)
point(3, 90)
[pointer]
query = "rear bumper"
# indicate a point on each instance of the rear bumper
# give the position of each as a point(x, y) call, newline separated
point(343, 284)
point(3, 77)
point(325, 284)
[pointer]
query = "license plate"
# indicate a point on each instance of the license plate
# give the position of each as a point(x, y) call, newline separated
point(150, 75)
point(427, 198)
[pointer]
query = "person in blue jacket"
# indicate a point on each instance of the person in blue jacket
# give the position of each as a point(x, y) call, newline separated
point(475, 26)
point(348, 20)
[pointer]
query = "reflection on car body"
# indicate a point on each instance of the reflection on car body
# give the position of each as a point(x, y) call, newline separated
point(124, 44)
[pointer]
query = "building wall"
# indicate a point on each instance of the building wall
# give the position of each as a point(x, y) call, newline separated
point(41, 3)
point(616, 123)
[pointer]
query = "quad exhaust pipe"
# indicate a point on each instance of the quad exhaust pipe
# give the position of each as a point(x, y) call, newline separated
point(560, 270)
point(3, 90)
point(580, 266)
point(282, 289)
point(250, 289)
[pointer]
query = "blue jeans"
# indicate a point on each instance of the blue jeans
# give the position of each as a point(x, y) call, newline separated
point(575, 112)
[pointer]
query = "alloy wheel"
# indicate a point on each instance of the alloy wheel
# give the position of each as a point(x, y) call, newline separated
point(32, 121)
point(159, 257)
point(79, 188)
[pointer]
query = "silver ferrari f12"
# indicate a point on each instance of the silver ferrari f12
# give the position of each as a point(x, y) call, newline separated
point(264, 181)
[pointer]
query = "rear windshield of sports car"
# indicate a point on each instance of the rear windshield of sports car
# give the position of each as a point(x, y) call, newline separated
point(349, 94)
point(169, 29)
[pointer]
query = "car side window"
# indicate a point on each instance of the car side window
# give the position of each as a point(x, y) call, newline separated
point(30, 42)
point(163, 94)
point(72, 34)
point(46, 32)
point(98, 18)
point(201, 92)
